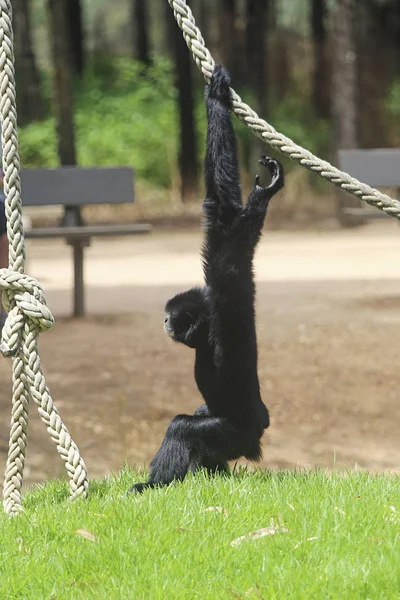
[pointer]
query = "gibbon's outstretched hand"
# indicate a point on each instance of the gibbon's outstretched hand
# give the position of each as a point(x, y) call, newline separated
point(218, 320)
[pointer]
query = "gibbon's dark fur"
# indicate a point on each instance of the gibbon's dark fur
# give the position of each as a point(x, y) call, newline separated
point(218, 320)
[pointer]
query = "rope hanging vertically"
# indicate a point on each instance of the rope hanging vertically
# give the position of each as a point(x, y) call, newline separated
point(23, 298)
point(267, 133)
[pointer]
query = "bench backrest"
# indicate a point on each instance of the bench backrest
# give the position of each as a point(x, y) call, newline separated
point(76, 186)
point(378, 167)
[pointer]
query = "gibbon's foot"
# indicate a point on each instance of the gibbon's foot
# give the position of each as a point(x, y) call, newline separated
point(276, 171)
point(140, 487)
point(218, 87)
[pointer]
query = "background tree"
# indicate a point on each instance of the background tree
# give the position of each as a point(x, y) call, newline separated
point(62, 87)
point(256, 60)
point(140, 29)
point(344, 80)
point(204, 13)
point(228, 37)
point(257, 30)
point(75, 34)
point(321, 76)
point(188, 161)
point(31, 105)
point(376, 61)
point(344, 91)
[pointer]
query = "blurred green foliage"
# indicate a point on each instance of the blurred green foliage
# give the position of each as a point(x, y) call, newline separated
point(123, 115)
point(393, 103)
point(127, 115)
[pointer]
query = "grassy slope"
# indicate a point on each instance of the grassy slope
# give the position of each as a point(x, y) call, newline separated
point(165, 544)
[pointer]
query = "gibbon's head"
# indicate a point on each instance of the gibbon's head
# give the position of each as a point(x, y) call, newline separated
point(186, 317)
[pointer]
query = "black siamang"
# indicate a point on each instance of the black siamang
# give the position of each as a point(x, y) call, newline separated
point(218, 320)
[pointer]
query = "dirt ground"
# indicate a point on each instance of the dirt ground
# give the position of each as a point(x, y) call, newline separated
point(328, 312)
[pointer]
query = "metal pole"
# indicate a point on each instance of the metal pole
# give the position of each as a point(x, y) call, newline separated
point(79, 289)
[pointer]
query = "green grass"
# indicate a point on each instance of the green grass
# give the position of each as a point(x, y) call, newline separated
point(337, 538)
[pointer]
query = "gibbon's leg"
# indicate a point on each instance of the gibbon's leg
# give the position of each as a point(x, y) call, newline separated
point(202, 411)
point(190, 438)
point(212, 465)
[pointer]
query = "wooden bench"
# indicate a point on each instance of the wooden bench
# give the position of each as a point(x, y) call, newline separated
point(74, 187)
point(379, 168)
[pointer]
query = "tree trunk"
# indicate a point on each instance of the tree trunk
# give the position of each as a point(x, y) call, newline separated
point(394, 8)
point(376, 52)
point(344, 81)
point(344, 93)
point(75, 35)
point(257, 27)
point(321, 96)
point(63, 97)
point(140, 29)
point(31, 105)
point(228, 36)
point(187, 142)
point(201, 9)
point(256, 37)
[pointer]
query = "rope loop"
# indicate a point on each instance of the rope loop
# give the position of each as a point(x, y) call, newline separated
point(23, 298)
point(28, 315)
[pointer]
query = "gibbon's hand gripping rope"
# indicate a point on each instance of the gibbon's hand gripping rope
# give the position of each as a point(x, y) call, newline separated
point(28, 315)
point(267, 133)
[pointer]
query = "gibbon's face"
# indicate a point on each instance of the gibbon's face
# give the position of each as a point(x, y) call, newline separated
point(185, 317)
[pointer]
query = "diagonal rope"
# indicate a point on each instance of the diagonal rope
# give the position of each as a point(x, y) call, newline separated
point(28, 314)
point(267, 133)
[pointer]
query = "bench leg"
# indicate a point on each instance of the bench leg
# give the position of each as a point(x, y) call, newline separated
point(79, 287)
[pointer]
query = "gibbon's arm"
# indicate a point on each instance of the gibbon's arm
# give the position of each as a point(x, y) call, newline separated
point(221, 163)
point(223, 202)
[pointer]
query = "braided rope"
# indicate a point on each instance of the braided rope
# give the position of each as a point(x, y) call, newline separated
point(28, 314)
point(267, 133)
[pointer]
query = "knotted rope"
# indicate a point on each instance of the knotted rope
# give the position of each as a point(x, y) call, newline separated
point(267, 133)
point(28, 315)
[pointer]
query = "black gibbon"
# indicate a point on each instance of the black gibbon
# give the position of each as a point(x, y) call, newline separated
point(218, 320)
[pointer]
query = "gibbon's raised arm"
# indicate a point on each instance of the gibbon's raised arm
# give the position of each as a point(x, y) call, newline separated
point(221, 165)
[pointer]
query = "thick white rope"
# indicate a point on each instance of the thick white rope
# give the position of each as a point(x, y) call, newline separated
point(267, 133)
point(28, 314)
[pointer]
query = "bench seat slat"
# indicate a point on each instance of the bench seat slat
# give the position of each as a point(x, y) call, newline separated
point(365, 213)
point(88, 231)
point(378, 167)
point(77, 186)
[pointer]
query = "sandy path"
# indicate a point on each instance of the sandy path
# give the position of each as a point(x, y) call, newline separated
point(328, 311)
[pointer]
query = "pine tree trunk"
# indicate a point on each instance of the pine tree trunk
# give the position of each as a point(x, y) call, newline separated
point(344, 93)
point(140, 28)
point(228, 36)
point(188, 165)
point(31, 105)
point(75, 35)
point(344, 81)
point(201, 9)
point(376, 52)
point(321, 96)
point(63, 97)
point(257, 28)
